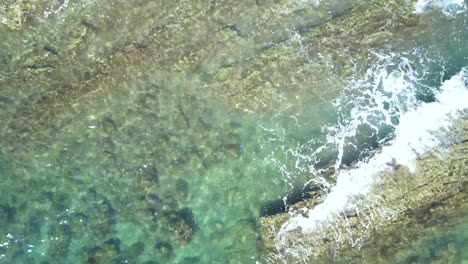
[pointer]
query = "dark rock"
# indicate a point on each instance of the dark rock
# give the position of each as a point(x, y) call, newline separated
point(182, 188)
point(100, 213)
point(105, 253)
point(78, 223)
point(149, 173)
point(108, 124)
point(295, 196)
point(154, 201)
point(101, 202)
point(52, 50)
point(114, 242)
point(163, 249)
point(182, 225)
point(89, 25)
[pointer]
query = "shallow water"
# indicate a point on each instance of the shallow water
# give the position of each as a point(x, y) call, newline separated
point(143, 160)
point(441, 246)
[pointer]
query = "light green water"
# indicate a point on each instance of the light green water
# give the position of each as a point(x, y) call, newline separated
point(148, 160)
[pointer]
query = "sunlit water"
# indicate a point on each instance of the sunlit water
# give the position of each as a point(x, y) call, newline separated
point(152, 167)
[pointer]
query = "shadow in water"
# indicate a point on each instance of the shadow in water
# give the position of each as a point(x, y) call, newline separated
point(295, 196)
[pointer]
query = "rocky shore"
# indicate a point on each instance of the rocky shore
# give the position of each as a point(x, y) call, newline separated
point(403, 211)
point(126, 88)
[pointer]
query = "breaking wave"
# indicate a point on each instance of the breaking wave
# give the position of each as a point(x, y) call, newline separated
point(386, 107)
point(448, 7)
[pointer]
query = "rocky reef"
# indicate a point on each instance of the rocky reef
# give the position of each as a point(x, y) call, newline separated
point(403, 211)
point(119, 118)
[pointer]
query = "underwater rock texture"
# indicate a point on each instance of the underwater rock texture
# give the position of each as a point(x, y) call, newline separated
point(68, 60)
point(402, 211)
point(115, 107)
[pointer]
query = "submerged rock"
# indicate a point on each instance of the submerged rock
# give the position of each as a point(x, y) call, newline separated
point(105, 87)
point(104, 253)
point(134, 250)
point(163, 249)
point(182, 189)
point(181, 224)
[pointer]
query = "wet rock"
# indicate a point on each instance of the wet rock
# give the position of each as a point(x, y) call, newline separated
point(150, 216)
point(100, 214)
point(182, 225)
point(101, 255)
point(304, 197)
point(78, 223)
point(147, 177)
point(211, 160)
point(52, 50)
point(149, 173)
point(412, 207)
point(163, 249)
point(101, 64)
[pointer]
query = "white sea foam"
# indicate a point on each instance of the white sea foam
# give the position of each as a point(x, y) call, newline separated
point(414, 135)
point(449, 7)
point(58, 10)
point(372, 103)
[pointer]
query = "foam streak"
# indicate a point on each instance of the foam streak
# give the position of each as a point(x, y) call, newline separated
point(415, 135)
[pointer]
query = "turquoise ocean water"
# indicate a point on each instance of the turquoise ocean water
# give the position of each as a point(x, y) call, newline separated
point(149, 166)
